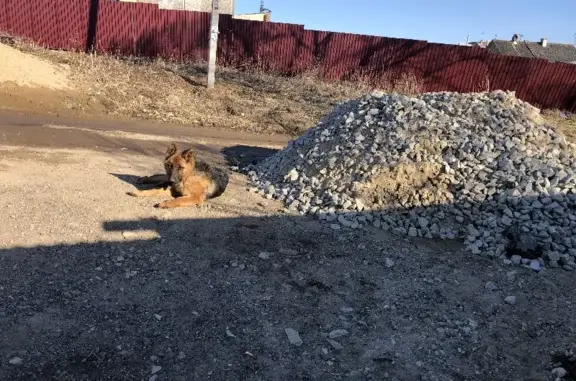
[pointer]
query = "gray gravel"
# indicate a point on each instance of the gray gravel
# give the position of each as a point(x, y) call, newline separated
point(293, 337)
point(477, 167)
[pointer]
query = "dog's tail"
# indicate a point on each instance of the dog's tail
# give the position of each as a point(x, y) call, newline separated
point(220, 181)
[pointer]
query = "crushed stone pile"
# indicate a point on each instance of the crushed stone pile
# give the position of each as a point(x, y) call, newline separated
point(481, 167)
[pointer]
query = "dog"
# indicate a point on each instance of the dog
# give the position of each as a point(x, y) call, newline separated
point(189, 181)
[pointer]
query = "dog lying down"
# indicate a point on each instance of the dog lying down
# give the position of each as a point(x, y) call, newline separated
point(188, 180)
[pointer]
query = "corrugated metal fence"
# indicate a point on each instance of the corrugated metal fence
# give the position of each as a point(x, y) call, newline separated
point(144, 30)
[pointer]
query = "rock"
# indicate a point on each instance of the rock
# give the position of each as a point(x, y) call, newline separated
point(474, 249)
point(423, 222)
point(491, 286)
point(559, 372)
point(15, 361)
point(264, 255)
point(229, 333)
point(285, 251)
point(336, 345)
point(293, 337)
point(535, 265)
point(553, 256)
point(506, 221)
point(293, 175)
point(344, 222)
point(389, 263)
point(516, 259)
point(337, 333)
point(156, 369)
point(510, 300)
point(153, 377)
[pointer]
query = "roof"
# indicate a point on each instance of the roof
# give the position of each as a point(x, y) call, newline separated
point(479, 44)
point(552, 52)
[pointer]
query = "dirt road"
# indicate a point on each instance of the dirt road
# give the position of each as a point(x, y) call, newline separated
point(96, 285)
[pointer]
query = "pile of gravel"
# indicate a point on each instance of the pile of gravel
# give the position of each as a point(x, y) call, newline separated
point(478, 166)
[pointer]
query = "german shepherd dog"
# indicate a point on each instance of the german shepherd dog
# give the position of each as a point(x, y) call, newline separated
point(188, 180)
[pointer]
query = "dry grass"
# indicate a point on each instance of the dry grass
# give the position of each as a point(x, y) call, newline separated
point(563, 122)
point(406, 83)
point(252, 99)
point(248, 100)
point(172, 92)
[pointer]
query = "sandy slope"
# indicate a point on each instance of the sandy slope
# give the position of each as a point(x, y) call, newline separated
point(28, 70)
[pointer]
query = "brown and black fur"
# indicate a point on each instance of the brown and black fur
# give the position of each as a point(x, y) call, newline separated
point(188, 180)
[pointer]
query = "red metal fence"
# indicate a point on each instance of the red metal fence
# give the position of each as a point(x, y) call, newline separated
point(144, 30)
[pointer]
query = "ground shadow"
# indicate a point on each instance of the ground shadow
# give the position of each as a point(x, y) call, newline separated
point(186, 78)
point(242, 156)
point(130, 179)
point(212, 297)
point(91, 30)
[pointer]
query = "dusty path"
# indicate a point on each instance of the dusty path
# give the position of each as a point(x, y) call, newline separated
point(20, 128)
point(96, 285)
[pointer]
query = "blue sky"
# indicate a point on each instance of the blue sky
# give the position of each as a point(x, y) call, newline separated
point(445, 21)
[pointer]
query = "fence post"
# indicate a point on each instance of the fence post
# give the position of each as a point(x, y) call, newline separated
point(213, 44)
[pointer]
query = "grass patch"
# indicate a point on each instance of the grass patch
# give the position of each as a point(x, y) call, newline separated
point(248, 100)
point(176, 93)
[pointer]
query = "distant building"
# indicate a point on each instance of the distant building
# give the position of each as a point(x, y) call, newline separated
point(477, 44)
point(552, 52)
point(225, 6)
point(263, 17)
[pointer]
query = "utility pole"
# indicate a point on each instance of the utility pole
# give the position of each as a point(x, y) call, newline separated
point(213, 44)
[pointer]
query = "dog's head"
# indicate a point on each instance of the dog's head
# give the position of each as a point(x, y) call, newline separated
point(178, 163)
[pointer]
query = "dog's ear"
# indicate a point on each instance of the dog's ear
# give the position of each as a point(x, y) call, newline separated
point(189, 156)
point(172, 149)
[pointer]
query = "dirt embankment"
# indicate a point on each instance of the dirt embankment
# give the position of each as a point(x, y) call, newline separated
point(26, 70)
